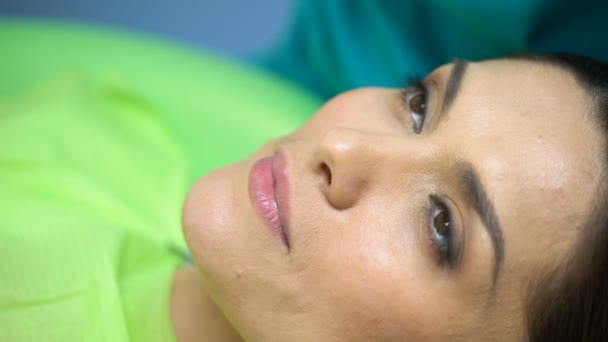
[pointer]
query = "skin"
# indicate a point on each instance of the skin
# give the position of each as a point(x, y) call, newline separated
point(362, 264)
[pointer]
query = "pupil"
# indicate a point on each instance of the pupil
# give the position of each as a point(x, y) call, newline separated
point(417, 104)
point(441, 224)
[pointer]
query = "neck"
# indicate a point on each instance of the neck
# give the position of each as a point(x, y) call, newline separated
point(194, 314)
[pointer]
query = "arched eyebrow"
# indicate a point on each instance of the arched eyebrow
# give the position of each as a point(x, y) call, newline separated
point(452, 86)
point(478, 198)
point(469, 180)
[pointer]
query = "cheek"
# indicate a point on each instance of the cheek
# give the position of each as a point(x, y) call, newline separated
point(373, 287)
point(375, 295)
point(366, 271)
point(365, 108)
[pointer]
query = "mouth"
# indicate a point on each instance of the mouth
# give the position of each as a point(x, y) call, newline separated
point(268, 186)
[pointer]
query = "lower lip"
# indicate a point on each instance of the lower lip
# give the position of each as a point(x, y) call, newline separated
point(262, 192)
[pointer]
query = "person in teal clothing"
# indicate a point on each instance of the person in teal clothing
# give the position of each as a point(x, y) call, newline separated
point(467, 205)
point(334, 46)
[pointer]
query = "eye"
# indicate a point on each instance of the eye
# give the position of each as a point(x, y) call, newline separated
point(442, 230)
point(416, 98)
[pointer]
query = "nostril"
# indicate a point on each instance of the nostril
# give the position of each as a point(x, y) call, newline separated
point(326, 173)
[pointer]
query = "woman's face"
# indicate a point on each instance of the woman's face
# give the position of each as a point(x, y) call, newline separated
point(403, 216)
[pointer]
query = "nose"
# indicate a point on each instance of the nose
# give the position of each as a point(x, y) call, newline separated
point(348, 159)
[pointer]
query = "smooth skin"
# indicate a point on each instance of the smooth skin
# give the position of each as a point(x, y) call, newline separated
point(365, 261)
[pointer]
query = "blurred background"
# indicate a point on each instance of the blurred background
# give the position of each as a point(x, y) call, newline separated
point(237, 28)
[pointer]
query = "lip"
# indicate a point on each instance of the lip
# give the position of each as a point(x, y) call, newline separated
point(268, 187)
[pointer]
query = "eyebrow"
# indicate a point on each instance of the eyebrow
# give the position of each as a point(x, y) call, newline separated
point(478, 197)
point(453, 84)
point(468, 177)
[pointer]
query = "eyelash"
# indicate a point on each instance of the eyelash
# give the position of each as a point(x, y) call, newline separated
point(414, 87)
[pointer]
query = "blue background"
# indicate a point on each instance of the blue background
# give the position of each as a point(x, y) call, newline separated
point(238, 28)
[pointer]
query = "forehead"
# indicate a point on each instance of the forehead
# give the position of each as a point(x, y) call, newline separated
point(530, 135)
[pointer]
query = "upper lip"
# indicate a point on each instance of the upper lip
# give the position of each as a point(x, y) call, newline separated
point(282, 190)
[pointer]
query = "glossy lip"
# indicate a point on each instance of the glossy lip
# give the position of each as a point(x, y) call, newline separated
point(268, 189)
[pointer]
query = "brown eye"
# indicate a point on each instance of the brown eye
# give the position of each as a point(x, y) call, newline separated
point(441, 223)
point(442, 229)
point(416, 102)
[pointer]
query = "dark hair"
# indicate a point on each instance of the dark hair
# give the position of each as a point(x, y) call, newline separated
point(570, 301)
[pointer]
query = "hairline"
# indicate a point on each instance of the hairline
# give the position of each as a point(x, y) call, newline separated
point(557, 279)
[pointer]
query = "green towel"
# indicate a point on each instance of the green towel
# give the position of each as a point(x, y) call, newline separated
point(101, 135)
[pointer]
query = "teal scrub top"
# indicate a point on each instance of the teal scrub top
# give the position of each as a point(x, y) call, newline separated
point(338, 45)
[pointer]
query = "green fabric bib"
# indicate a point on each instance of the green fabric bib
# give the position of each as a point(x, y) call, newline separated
point(101, 135)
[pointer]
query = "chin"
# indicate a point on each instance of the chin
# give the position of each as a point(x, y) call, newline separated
point(225, 234)
point(208, 218)
point(233, 249)
point(220, 224)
